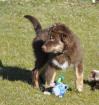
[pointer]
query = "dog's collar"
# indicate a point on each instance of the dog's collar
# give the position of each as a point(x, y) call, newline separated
point(59, 53)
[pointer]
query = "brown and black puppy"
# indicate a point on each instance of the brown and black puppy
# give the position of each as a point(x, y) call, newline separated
point(57, 48)
point(93, 80)
point(66, 50)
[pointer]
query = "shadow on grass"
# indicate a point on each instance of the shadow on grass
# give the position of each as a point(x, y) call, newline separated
point(21, 74)
point(15, 73)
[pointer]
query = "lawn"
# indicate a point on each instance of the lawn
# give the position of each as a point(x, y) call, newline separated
point(16, 55)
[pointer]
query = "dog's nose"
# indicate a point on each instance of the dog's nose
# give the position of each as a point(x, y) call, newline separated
point(44, 48)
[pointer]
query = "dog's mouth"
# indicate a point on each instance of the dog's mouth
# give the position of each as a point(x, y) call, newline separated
point(53, 47)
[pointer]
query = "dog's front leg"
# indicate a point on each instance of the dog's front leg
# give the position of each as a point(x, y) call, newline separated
point(79, 77)
point(50, 75)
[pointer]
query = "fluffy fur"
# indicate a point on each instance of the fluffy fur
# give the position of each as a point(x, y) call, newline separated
point(58, 47)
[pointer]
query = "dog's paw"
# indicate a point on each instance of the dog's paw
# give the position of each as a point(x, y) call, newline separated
point(80, 88)
point(47, 93)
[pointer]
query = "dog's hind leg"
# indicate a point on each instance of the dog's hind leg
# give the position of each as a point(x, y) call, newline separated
point(79, 76)
point(35, 78)
point(38, 71)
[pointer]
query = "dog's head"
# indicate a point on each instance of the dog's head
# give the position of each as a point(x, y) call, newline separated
point(60, 38)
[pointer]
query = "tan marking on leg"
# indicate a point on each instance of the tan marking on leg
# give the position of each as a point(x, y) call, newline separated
point(35, 78)
point(53, 77)
point(50, 75)
point(79, 77)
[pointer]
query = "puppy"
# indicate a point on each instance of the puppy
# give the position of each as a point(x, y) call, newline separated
point(94, 79)
point(66, 50)
point(56, 47)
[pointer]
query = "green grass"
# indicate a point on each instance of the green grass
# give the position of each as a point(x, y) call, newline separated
point(16, 35)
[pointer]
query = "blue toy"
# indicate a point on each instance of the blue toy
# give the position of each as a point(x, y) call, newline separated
point(60, 88)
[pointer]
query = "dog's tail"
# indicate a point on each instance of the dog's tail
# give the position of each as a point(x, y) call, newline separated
point(35, 22)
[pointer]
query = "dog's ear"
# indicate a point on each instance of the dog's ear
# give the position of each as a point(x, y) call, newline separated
point(67, 39)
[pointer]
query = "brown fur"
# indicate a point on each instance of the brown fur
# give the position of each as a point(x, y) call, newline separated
point(56, 46)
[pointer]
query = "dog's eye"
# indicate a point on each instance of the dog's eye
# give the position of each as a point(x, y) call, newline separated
point(52, 38)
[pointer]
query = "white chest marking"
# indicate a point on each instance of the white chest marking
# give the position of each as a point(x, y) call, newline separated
point(62, 66)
